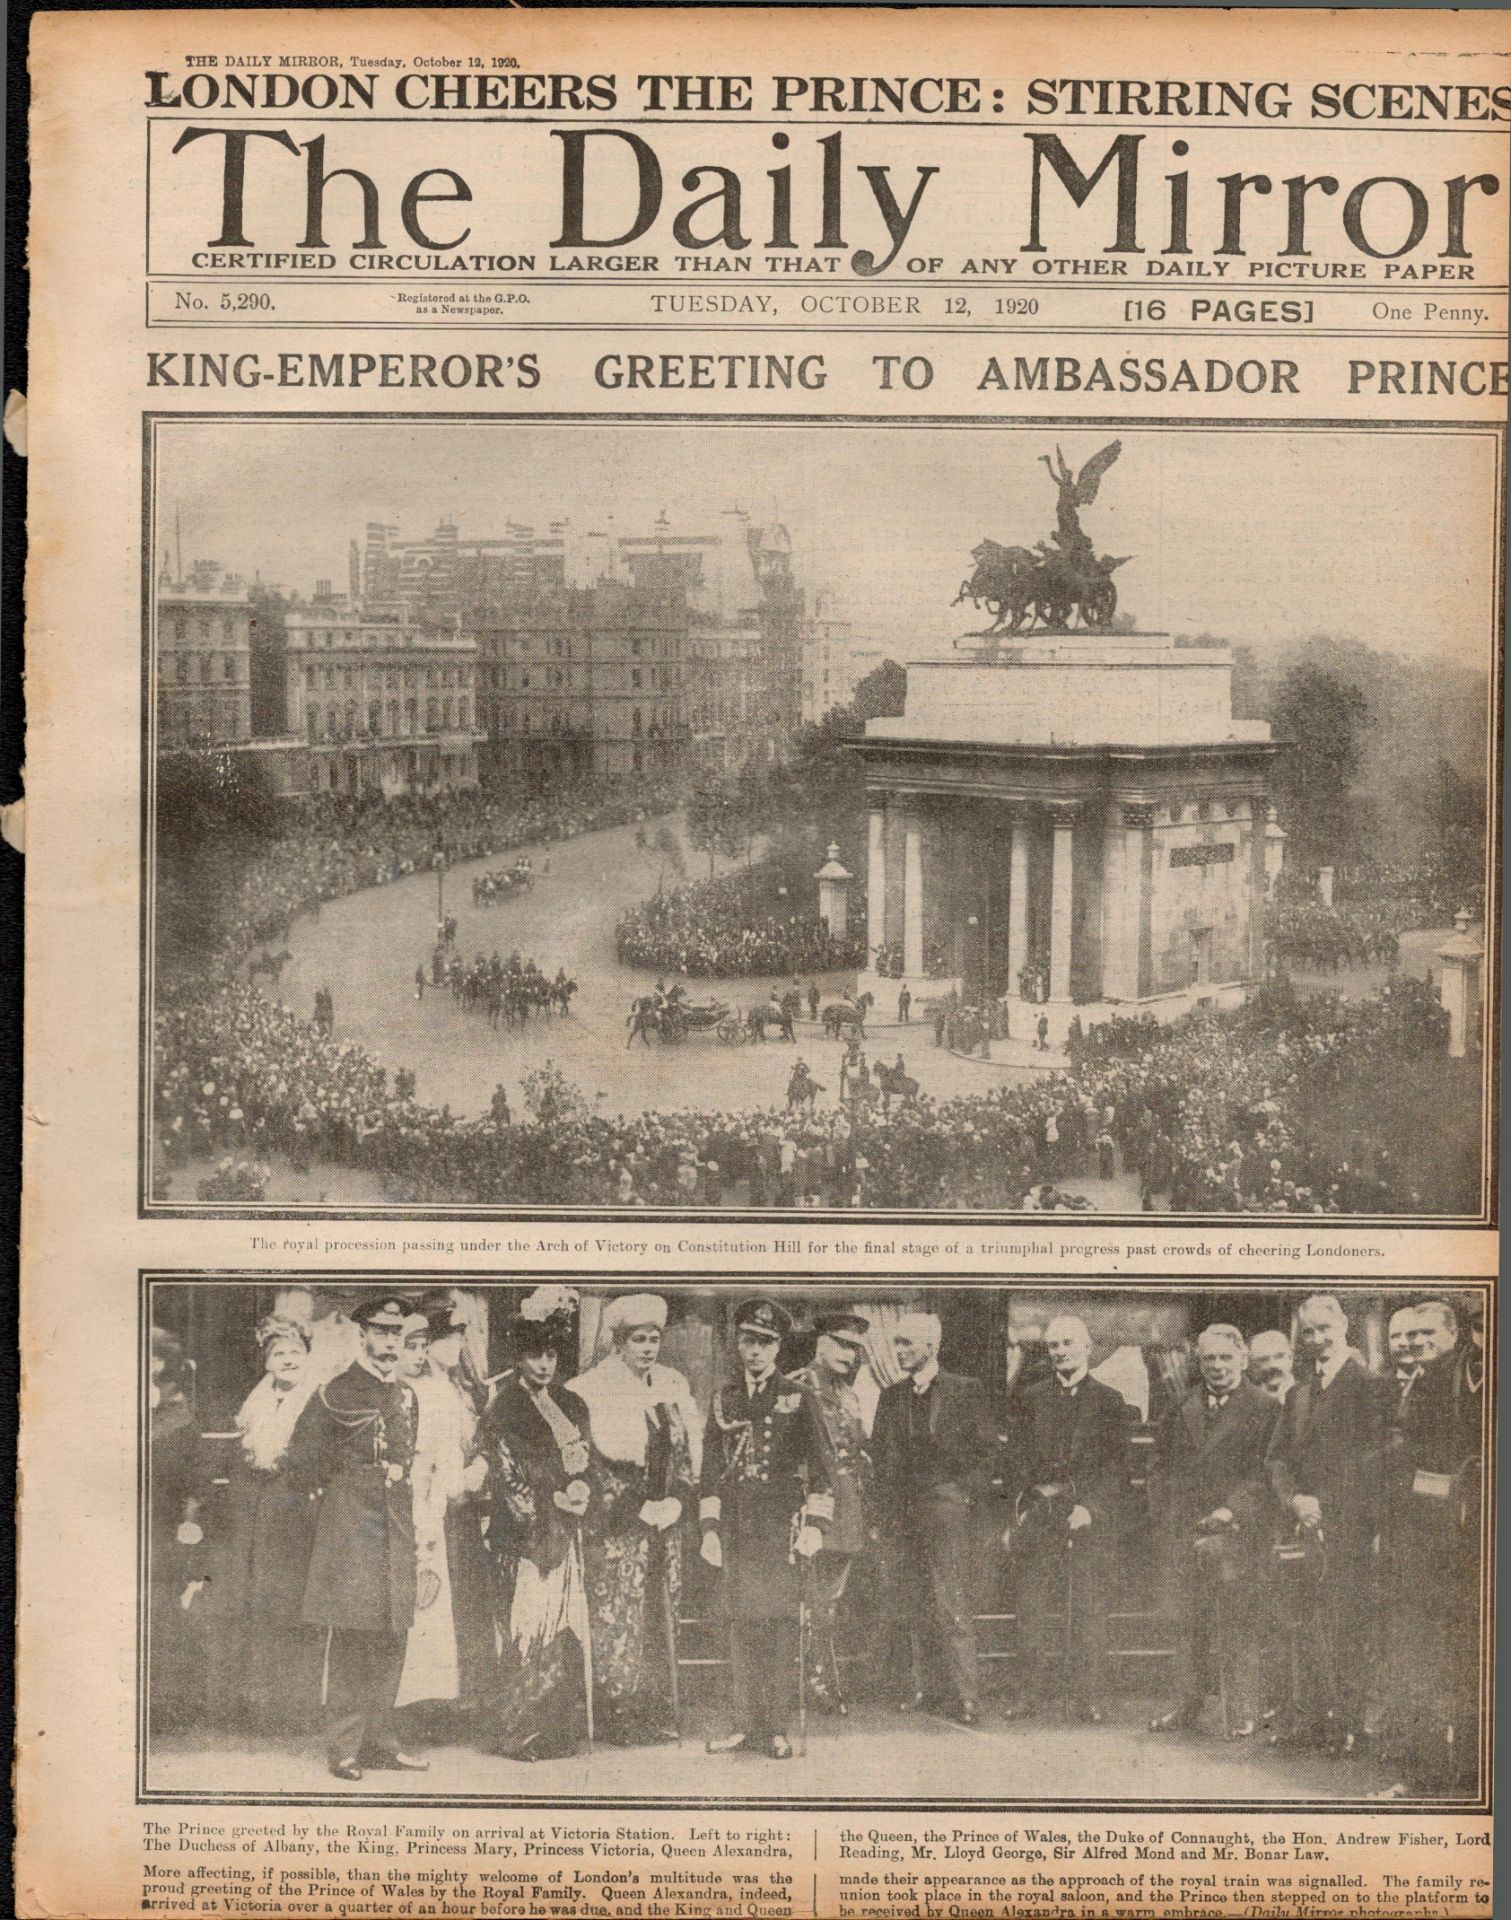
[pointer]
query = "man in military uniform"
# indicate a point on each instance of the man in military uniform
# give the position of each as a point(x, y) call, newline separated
point(353, 1447)
point(830, 1376)
point(765, 1505)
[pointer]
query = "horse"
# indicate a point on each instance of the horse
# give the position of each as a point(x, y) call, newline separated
point(802, 1090)
point(892, 1080)
point(766, 1015)
point(645, 1019)
point(272, 964)
point(561, 992)
point(842, 1015)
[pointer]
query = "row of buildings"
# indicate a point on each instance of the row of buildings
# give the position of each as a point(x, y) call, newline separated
point(450, 661)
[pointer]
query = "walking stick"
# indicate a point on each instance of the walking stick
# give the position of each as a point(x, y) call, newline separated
point(1325, 1637)
point(1220, 1608)
point(587, 1641)
point(804, 1629)
point(1068, 1646)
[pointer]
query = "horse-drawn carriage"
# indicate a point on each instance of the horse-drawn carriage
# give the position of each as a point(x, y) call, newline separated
point(673, 1017)
point(501, 882)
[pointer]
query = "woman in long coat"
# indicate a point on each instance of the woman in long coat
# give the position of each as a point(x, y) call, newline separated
point(430, 1676)
point(647, 1444)
point(271, 1659)
point(535, 1439)
point(178, 1479)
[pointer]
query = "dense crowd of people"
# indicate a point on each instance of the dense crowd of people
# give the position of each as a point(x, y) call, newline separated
point(723, 927)
point(1373, 904)
point(335, 846)
point(1313, 938)
point(1426, 891)
point(1211, 1114)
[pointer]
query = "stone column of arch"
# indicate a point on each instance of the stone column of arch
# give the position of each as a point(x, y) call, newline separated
point(1259, 848)
point(1017, 896)
point(1062, 819)
point(1138, 878)
point(912, 896)
point(876, 879)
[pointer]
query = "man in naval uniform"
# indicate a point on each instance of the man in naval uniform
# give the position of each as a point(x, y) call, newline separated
point(353, 1447)
point(830, 1375)
point(765, 1505)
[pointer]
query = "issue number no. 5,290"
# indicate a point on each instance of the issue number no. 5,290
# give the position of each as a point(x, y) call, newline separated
point(228, 302)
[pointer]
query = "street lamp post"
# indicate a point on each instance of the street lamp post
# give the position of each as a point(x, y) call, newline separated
point(439, 862)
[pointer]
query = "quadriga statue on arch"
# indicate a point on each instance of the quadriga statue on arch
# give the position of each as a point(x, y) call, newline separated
point(1060, 581)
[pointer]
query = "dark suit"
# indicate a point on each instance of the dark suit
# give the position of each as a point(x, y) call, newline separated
point(353, 1446)
point(1206, 1457)
point(1329, 1443)
point(765, 1464)
point(933, 1454)
point(1075, 1439)
point(1430, 1568)
point(1467, 1623)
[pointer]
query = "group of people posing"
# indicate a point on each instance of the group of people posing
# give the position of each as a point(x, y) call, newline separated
point(509, 1554)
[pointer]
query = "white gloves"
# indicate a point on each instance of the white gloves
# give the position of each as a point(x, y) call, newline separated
point(809, 1540)
point(573, 1499)
point(661, 1514)
point(1079, 1518)
point(711, 1551)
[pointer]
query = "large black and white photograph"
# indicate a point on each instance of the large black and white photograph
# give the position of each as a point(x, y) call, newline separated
point(1214, 1542)
point(911, 818)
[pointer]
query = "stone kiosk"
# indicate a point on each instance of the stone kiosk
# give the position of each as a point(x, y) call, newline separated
point(1083, 806)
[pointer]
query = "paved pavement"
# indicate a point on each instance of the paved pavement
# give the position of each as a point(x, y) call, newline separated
point(366, 946)
point(876, 1753)
point(365, 949)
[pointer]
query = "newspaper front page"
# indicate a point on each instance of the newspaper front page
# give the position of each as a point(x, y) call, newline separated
point(763, 798)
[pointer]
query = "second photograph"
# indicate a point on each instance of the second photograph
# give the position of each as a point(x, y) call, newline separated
point(872, 1543)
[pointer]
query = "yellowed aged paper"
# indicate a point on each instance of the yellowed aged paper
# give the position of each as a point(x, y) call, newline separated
point(763, 802)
